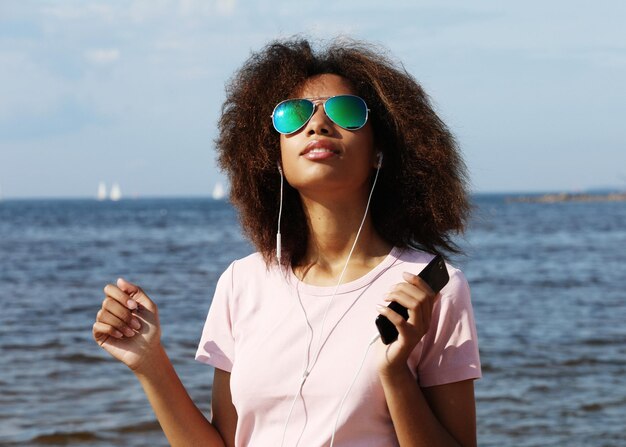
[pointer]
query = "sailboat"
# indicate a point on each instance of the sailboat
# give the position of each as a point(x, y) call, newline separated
point(116, 192)
point(102, 191)
point(218, 191)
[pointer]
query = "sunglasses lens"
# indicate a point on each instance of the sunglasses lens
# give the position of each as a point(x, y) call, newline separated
point(347, 111)
point(292, 114)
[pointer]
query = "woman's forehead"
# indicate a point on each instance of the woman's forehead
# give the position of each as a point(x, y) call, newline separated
point(324, 86)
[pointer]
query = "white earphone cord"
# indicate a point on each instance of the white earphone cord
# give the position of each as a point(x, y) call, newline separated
point(345, 396)
point(307, 369)
point(345, 267)
point(280, 215)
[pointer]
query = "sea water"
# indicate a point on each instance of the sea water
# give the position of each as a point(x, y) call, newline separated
point(547, 288)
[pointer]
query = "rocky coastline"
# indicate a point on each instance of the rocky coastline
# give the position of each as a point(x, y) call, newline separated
point(570, 197)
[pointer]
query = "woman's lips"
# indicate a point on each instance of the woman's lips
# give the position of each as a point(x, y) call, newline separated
point(319, 150)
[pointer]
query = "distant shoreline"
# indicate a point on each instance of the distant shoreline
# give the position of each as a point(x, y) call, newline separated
point(507, 197)
point(569, 197)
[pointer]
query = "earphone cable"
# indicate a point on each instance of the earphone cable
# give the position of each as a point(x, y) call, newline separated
point(280, 215)
point(345, 396)
point(345, 267)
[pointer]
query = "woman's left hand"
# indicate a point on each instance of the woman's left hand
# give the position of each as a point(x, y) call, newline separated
point(419, 299)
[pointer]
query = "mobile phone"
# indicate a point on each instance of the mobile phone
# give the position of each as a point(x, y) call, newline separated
point(435, 274)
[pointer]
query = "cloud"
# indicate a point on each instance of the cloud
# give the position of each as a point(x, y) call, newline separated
point(102, 56)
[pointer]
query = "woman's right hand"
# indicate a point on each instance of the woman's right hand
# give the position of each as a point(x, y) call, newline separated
point(127, 326)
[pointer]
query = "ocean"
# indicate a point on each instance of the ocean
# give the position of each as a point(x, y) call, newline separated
point(545, 279)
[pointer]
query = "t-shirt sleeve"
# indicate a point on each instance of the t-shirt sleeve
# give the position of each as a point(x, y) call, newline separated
point(217, 344)
point(450, 349)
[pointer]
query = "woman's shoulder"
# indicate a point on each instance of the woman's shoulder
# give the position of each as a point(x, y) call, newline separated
point(241, 272)
point(252, 260)
point(252, 265)
point(416, 256)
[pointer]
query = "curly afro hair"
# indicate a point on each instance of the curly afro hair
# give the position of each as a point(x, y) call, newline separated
point(421, 196)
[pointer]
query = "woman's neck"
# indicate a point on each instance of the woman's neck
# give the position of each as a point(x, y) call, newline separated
point(333, 228)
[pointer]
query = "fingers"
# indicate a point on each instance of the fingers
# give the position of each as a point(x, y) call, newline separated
point(404, 294)
point(117, 294)
point(392, 315)
point(136, 293)
point(102, 331)
point(419, 299)
point(118, 316)
point(412, 297)
point(127, 287)
point(115, 318)
point(418, 282)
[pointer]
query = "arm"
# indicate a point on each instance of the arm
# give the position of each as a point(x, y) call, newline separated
point(441, 415)
point(127, 327)
point(182, 422)
point(224, 414)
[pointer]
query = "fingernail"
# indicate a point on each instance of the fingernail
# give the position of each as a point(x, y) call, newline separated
point(132, 304)
point(117, 334)
point(407, 276)
point(379, 307)
point(129, 332)
point(134, 323)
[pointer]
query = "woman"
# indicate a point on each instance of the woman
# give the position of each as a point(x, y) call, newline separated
point(340, 153)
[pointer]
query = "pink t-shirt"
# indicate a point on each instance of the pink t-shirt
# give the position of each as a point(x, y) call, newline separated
point(257, 330)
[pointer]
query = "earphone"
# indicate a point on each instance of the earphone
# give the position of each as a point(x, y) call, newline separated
point(280, 207)
point(307, 369)
point(280, 213)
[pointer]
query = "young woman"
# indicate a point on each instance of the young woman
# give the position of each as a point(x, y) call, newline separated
point(339, 152)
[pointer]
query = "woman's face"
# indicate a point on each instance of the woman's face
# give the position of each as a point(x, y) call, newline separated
point(323, 158)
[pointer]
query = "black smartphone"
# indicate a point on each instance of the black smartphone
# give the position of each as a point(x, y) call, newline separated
point(435, 275)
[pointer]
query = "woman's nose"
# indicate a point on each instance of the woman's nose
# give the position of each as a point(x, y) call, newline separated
point(319, 122)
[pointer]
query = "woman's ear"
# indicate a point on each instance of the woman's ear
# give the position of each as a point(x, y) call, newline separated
point(379, 163)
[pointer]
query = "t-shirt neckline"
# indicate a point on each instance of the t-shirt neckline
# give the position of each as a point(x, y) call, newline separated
point(351, 286)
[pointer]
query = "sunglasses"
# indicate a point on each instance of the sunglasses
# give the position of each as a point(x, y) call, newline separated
point(347, 111)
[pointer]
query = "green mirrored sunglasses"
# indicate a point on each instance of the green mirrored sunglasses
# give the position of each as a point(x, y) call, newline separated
point(347, 111)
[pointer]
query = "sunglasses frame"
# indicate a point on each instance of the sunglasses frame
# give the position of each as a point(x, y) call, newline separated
point(315, 102)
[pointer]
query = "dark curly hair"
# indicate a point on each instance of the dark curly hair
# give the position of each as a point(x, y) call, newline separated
point(421, 196)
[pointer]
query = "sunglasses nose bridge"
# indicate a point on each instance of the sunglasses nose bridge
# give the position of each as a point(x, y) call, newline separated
point(319, 122)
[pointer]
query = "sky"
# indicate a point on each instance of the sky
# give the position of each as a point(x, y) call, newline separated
point(130, 91)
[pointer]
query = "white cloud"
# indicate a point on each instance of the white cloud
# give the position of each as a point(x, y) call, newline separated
point(102, 56)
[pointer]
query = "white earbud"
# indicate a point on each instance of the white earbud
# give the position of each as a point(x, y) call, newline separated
point(280, 213)
point(380, 160)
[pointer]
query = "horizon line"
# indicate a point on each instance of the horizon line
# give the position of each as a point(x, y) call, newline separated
point(128, 198)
